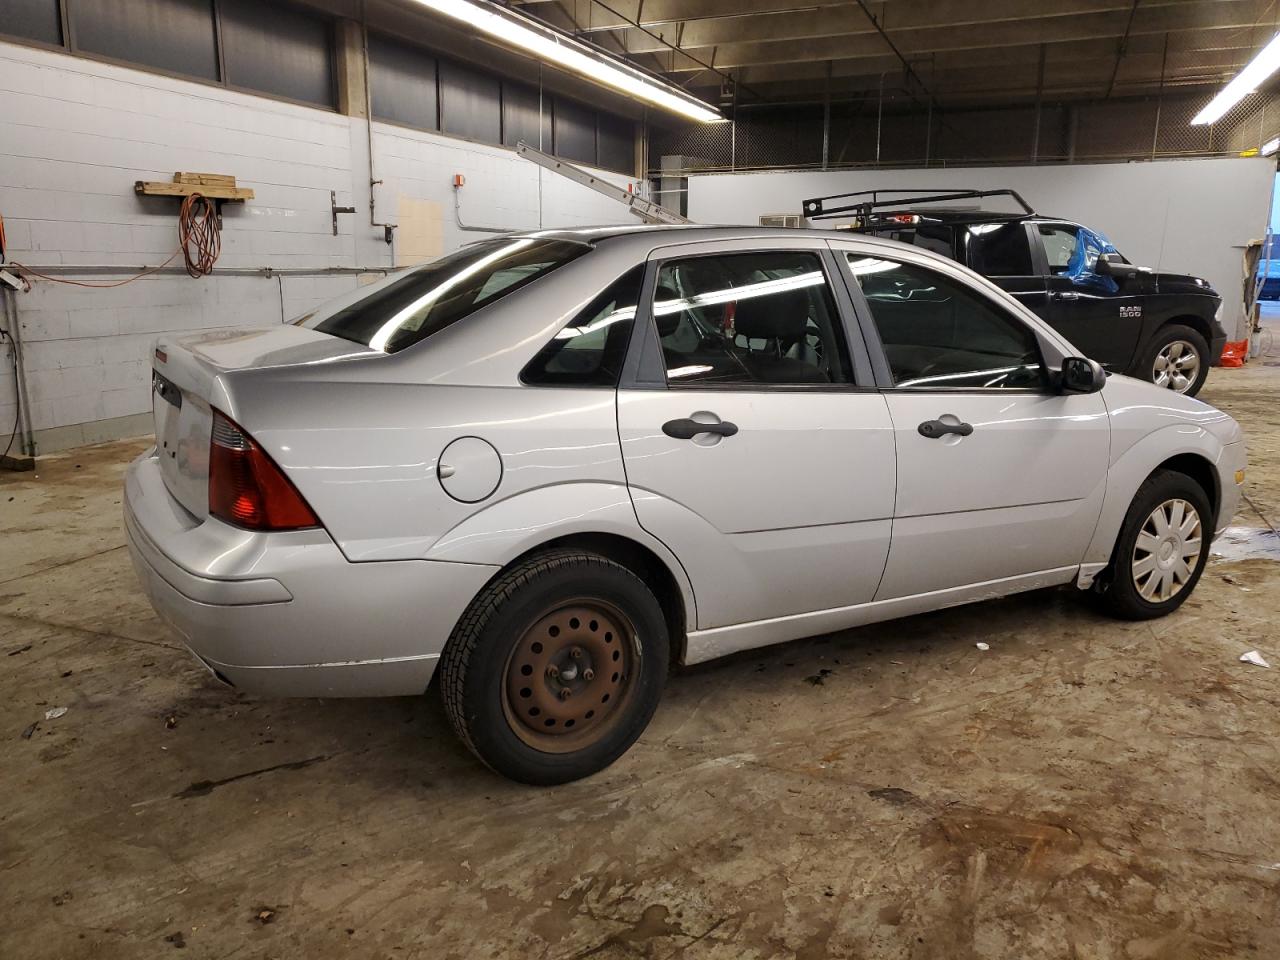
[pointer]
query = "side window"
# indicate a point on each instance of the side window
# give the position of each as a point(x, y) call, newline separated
point(939, 335)
point(1060, 244)
point(588, 351)
point(1000, 249)
point(1073, 253)
point(934, 237)
point(742, 319)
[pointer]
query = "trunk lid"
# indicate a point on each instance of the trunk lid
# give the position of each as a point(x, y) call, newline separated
point(187, 386)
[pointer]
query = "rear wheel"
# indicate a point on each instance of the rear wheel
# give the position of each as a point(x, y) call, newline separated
point(1177, 359)
point(556, 668)
point(1162, 548)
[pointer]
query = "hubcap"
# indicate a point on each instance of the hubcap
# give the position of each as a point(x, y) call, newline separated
point(1176, 367)
point(1167, 550)
point(569, 676)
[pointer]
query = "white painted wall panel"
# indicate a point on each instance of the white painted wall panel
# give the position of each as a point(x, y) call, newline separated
point(75, 135)
point(1182, 216)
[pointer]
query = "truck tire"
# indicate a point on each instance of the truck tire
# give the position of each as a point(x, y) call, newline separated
point(1176, 358)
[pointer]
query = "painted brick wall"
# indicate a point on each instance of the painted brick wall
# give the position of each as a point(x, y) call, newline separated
point(75, 135)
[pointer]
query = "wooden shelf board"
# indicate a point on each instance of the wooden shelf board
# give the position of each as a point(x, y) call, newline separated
point(154, 188)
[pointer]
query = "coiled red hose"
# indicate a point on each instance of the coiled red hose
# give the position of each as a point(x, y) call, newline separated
point(199, 234)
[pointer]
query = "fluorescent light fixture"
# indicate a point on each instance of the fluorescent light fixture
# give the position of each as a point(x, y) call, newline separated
point(1246, 82)
point(1270, 147)
point(563, 51)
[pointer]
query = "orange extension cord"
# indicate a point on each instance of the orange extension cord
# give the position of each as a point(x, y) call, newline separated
point(199, 244)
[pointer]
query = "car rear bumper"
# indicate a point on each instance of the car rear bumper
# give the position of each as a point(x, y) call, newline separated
point(286, 614)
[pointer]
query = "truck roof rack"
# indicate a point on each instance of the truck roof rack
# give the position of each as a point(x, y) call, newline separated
point(820, 208)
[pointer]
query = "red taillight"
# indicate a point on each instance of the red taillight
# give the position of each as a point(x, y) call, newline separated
point(246, 488)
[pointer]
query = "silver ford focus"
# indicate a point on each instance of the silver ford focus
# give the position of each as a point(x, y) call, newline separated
point(552, 464)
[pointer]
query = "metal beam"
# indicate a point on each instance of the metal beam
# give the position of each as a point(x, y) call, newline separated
point(1120, 49)
point(808, 24)
point(1008, 76)
point(921, 42)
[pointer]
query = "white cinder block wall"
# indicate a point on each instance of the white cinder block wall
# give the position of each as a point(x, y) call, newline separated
point(74, 136)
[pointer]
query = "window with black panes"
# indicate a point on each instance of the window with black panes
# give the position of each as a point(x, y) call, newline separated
point(939, 335)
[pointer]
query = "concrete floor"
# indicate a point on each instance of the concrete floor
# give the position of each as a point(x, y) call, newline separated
point(1085, 789)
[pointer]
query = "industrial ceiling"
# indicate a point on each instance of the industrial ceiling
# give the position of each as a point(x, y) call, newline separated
point(955, 52)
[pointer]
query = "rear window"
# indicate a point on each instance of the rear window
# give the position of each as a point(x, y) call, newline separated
point(1000, 249)
point(936, 237)
point(409, 306)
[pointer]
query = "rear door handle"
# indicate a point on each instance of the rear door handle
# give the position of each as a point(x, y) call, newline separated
point(687, 429)
point(933, 429)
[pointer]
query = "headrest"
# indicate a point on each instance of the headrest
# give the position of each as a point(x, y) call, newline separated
point(777, 316)
point(668, 323)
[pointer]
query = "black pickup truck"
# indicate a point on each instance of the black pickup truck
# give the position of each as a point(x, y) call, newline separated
point(1161, 327)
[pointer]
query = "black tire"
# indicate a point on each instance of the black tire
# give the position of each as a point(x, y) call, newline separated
point(480, 667)
point(1117, 588)
point(1171, 334)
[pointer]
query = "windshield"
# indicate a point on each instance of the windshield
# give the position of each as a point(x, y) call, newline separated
point(408, 306)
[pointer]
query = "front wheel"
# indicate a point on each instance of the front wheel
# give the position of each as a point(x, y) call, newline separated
point(556, 668)
point(1161, 550)
point(1177, 359)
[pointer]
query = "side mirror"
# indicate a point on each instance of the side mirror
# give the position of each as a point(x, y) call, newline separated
point(1080, 375)
point(1111, 265)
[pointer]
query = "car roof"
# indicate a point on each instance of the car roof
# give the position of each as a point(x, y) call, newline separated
point(661, 234)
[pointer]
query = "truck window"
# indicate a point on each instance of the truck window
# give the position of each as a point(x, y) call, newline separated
point(999, 249)
point(935, 238)
point(1059, 246)
point(1072, 252)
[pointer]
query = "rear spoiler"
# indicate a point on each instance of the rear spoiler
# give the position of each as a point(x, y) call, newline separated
point(820, 208)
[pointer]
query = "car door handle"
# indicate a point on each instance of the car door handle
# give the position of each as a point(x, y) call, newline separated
point(1066, 295)
point(687, 429)
point(933, 429)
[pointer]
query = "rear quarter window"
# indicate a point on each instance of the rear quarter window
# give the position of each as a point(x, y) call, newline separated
point(588, 350)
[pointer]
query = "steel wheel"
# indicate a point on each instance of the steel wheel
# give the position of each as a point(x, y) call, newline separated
point(570, 676)
point(1176, 366)
point(1166, 551)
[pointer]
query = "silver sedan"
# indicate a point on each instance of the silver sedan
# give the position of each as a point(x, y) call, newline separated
point(553, 464)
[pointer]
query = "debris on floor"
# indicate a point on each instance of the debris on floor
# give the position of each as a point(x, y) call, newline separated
point(177, 939)
point(53, 713)
point(894, 795)
point(820, 677)
point(30, 729)
point(1246, 543)
point(982, 646)
point(1254, 657)
point(14, 653)
point(265, 915)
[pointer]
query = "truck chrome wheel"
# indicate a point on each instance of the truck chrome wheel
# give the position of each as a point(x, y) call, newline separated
point(1166, 551)
point(1176, 366)
point(570, 675)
